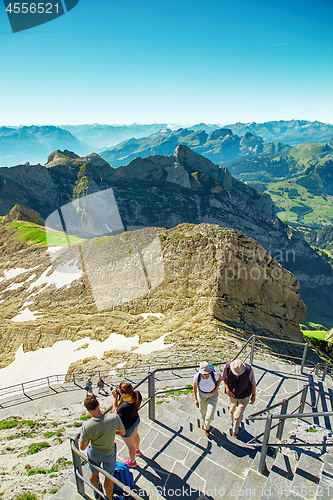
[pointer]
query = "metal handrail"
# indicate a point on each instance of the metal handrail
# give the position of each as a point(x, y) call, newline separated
point(29, 382)
point(80, 480)
point(282, 417)
point(282, 340)
point(254, 416)
point(305, 415)
point(242, 349)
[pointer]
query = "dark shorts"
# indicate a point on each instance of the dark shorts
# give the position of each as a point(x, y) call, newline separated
point(108, 461)
point(131, 429)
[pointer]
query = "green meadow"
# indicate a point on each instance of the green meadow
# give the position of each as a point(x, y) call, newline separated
point(37, 235)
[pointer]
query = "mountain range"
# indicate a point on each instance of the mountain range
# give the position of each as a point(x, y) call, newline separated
point(290, 132)
point(164, 191)
point(103, 136)
point(19, 145)
point(32, 144)
point(220, 146)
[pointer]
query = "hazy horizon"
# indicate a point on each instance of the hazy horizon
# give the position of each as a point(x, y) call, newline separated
point(169, 125)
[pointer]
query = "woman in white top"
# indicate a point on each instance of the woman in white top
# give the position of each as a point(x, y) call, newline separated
point(205, 385)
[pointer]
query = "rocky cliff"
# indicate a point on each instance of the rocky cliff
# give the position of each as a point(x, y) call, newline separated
point(200, 278)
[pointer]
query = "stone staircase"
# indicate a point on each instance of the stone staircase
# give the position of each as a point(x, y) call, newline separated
point(179, 461)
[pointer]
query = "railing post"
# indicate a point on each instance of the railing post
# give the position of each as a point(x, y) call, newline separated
point(78, 468)
point(262, 463)
point(303, 398)
point(284, 408)
point(304, 357)
point(151, 396)
point(324, 373)
point(252, 349)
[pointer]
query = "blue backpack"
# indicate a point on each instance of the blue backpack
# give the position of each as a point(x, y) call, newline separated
point(123, 474)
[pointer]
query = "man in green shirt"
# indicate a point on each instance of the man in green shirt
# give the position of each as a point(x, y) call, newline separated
point(98, 434)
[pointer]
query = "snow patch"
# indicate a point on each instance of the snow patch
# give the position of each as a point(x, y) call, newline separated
point(12, 273)
point(157, 315)
point(26, 315)
point(155, 345)
point(53, 249)
point(48, 361)
point(63, 275)
point(15, 286)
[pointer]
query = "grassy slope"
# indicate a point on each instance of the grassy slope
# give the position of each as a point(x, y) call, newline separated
point(37, 235)
point(300, 182)
point(296, 203)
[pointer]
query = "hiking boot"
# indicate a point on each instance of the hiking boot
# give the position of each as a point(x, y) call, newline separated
point(206, 432)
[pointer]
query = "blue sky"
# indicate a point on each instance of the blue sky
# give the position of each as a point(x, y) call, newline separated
point(184, 62)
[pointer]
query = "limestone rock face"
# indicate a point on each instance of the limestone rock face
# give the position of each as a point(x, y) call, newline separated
point(253, 290)
point(212, 277)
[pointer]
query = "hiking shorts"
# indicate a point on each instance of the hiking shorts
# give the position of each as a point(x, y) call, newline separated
point(131, 429)
point(108, 461)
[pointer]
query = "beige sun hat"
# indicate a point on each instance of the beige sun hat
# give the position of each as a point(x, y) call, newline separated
point(205, 368)
point(237, 367)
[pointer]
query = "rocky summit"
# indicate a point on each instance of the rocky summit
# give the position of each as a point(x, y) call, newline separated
point(201, 279)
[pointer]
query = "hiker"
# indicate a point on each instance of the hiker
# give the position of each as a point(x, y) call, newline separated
point(98, 434)
point(126, 404)
point(89, 386)
point(240, 386)
point(207, 381)
point(100, 385)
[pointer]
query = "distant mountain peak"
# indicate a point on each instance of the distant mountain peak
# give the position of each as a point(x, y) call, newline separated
point(58, 154)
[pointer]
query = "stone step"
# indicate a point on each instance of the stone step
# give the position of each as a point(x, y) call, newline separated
point(254, 482)
point(228, 449)
point(222, 420)
point(252, 486)
point(69, 492)
point(280, 476)
point(325, 486)
point(270, 459)
point(307, 477)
